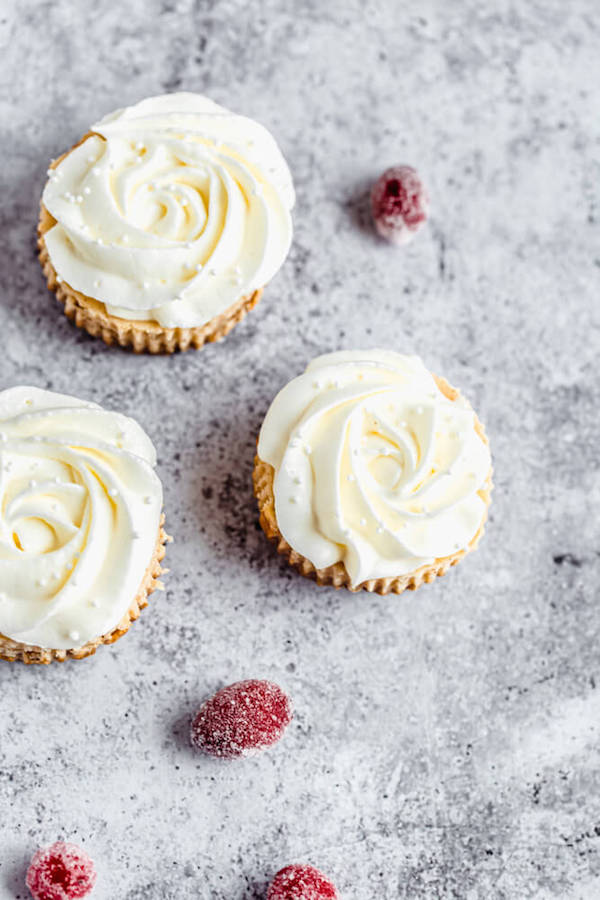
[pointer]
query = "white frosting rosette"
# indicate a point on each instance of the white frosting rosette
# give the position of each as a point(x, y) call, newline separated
point(374, 465)
point(80, 512)
point(171, 210)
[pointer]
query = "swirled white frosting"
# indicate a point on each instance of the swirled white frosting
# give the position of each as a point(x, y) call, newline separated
point(80, 508)
point(172, 210)
point(374, 466)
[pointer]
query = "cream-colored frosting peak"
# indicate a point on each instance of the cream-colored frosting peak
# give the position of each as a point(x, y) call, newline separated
point(172, 210)
point(80, 508)
point(374, 466)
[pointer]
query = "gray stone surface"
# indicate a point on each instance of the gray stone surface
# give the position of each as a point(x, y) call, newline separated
point(446, 742)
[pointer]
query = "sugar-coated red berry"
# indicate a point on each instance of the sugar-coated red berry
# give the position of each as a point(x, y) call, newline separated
point(241, 719)
point(399, 203)
point(301, 883)
point(61, 872)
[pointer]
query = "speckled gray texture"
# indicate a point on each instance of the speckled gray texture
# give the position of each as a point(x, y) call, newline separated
point(446, 742)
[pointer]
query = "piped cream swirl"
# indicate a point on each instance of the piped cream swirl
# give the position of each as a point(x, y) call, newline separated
point(80, 508)
point(374, 465)
point(171, 210)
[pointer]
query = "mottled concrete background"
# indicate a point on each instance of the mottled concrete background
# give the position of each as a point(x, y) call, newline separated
point(446, 742)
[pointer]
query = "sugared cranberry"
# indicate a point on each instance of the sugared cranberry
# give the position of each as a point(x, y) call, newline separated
point(301, 883)
point(399, 203)
point(241, 719)
point(61, 872)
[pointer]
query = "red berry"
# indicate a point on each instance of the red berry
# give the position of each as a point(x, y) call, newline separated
point(399, 203)
point(61, 872)
point(301, 883)
point(242, 719)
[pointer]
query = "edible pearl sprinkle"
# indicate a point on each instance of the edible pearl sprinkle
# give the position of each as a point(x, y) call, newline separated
point(74, 635)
